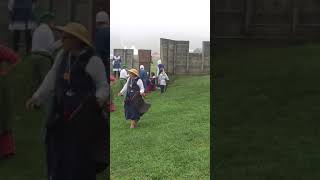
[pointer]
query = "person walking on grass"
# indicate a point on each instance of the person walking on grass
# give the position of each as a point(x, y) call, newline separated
point(116, 63)
point(133, 101)
point(76, 138)
point(159, 67)
point(162, 80)
point(152, 83)
point(8, 58)
point(123, 76)
point(143, 76)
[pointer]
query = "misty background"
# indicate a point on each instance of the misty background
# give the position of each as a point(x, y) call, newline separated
point(141, 23)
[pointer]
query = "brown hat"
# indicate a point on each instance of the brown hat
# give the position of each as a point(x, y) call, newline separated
point(77, 30)
point(134, 71)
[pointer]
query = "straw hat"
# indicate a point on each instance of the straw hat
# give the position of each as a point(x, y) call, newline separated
point(134, 71)
point(77, 30)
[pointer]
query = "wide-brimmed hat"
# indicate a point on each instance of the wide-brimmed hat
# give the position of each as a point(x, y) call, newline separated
point(77, 30)
point(134, 71)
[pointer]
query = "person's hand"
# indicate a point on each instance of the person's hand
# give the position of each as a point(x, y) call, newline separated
point(143, 94)
point(120, 94)
point(32, 103)
point(100, 102)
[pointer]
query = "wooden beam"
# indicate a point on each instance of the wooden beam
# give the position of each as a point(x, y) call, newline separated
point(248, 13)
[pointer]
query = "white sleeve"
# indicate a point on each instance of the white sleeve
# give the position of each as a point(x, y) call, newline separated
point(140, 84)
point(124, 89)
point(51, 41)
point(10, 5)
point(48, 84)
point(95, 68)
point(55, 45)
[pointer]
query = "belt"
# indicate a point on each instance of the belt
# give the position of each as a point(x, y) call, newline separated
point(41, 53)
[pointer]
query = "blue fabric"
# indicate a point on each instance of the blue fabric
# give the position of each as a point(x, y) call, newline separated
point(160, 66)
point(131, 113)
point(22, 10)
point(81, 83)
point(69, 156)
point(102, 42)
point(117, 64)
point(143, 77)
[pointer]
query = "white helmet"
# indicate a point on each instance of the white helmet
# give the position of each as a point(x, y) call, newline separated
point(141, 67)
point(102, 16)
point(159, 61)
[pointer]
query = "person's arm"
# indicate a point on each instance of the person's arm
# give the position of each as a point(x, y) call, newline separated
point(50, 41)
point(10, 5)
point(95, 68)
point(10, 9)
point(124, 88)
point(140, 84)
point(47, 86)
point(54, 47)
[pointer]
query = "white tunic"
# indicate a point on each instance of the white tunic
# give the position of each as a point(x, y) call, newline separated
point(43, 39)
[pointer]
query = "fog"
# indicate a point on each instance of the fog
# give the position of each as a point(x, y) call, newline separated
point(141, 23)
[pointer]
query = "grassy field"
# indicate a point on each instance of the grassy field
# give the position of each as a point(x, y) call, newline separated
point(172, 139)
point(171, 142)
point(29, 162)
point(268, 111)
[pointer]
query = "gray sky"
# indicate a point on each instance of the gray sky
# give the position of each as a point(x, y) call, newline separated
point(141, 23)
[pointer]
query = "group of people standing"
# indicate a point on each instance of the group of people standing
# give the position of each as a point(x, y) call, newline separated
point(133, 86)
point(72, 85)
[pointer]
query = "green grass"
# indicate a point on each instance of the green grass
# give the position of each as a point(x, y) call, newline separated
point(172, 139)
point(171, 142)
point(267, 103)
point(29, 162)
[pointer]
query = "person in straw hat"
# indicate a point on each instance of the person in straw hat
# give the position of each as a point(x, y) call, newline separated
point(76, 128)
point(133, 91)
